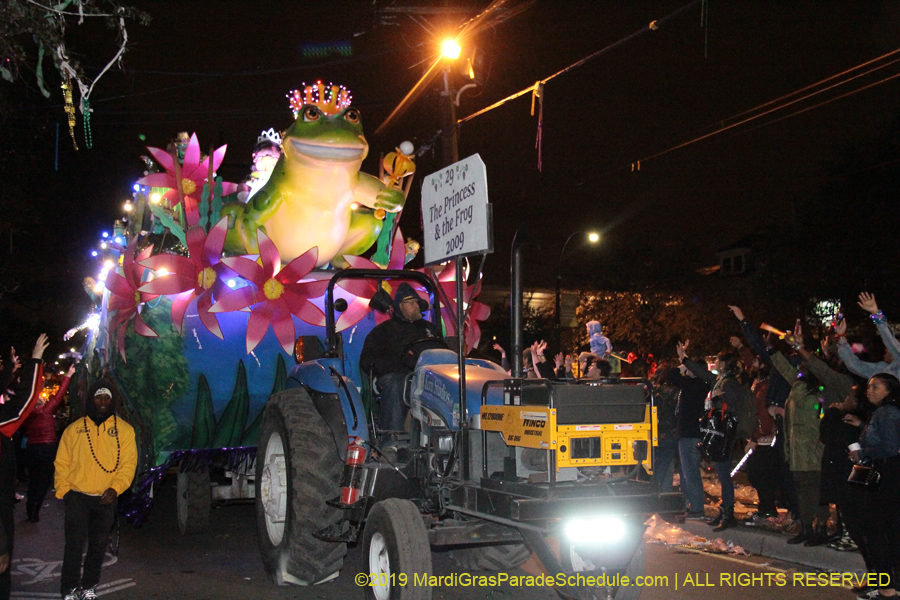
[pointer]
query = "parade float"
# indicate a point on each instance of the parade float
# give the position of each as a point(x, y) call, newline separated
point(205, 286)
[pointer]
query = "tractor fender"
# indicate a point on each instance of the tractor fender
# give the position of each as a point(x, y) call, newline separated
point(336, 398)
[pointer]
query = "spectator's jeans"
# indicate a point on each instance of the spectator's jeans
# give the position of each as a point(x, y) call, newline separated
point(86, 519)
point(665, 463)
point(723, 470)
point(39, 460)
point(691, 482)
point(392, 410)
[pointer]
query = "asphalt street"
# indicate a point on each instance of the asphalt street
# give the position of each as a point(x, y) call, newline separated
point(157, 562)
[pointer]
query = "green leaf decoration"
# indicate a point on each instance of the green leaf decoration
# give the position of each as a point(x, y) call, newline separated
point(383, 244)
point(170, 224)
point(204, 416)
point(154, 377)
point(251, 436)
point(280, 375)
point(203, 208)
point(216, 204)
point(230, 428)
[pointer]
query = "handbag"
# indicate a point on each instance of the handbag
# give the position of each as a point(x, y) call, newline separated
point(718, 430)
point(865, 475)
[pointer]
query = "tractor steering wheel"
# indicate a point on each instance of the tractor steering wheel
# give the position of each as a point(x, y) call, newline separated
point(414, 348)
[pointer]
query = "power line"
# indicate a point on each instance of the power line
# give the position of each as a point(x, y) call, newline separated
point(653, 26)
point(783, 105)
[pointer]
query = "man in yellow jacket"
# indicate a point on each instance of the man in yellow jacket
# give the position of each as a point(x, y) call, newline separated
point(95, 463)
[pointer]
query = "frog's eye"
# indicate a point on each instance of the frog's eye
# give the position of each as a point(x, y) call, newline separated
point(352, 115)
point(311, 113)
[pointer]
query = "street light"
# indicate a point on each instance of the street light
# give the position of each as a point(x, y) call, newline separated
point(592, 237)
point(450, 49)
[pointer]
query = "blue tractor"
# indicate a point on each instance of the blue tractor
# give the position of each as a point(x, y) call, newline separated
point(519, 464)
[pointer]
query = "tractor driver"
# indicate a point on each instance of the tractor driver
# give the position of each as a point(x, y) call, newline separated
point(391, 350)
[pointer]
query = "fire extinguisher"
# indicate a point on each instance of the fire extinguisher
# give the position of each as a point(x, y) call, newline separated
point(350, 481)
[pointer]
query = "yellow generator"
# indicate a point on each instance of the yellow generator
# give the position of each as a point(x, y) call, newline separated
point(608, 423)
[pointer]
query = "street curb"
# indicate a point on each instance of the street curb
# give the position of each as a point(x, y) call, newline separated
point(774, 545)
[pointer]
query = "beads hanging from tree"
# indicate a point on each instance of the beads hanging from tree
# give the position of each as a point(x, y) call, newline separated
point(86, 117)
point(70, 108)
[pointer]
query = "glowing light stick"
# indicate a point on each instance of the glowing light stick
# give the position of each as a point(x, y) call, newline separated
point(778, 332)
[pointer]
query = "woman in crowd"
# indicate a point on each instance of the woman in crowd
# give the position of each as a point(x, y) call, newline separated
point(40, 451)
point(879, 442)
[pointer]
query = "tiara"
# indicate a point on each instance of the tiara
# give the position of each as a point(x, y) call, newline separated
point(329, 99)
point(269, 135)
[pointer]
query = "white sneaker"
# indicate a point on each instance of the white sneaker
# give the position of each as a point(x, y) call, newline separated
point(88, 594)
point(74, 594)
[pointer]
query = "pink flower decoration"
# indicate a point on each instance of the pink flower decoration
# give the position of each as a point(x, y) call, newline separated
point(193, 176)
point(364, 289)
point(126, 298)
point(477, 311)
point(275, 294)
point(200, 276)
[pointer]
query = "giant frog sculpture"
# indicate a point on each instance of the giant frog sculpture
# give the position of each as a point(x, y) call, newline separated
point(316, 195)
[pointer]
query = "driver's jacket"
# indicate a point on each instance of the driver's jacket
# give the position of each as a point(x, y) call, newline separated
point(383, 351)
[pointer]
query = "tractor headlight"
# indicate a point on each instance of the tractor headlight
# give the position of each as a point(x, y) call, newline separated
point(443, 443)
point(598, 530)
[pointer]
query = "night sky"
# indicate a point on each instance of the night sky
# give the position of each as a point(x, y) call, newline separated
point(222, 69)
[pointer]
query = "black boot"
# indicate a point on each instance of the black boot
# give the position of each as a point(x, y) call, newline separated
point(31, 512)
point(804, 534)
point(726, 519)
point(818, 537)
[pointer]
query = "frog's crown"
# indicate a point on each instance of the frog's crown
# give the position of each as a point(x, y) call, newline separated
point(330, 99)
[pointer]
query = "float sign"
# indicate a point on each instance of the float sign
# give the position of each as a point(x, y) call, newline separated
point(456, 216)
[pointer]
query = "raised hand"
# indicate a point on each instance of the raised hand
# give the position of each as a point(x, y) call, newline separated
point(558, 360)
point(798, 333)
point(738, 313)
point(40, 346)
point(681, 349)
point(840, 328)
point(71, 371)
point(867, 303)
point(500, 349)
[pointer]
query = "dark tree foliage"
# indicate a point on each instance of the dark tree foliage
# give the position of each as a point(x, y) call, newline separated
point(30, 28)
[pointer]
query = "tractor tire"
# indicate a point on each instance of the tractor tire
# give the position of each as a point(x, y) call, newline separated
point(194, 500)
point(297, 470)
point(494, 557)
point(396, 550)
point(635, 569)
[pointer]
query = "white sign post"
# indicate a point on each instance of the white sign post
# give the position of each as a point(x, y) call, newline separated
point(456, 218)
point(456, 215)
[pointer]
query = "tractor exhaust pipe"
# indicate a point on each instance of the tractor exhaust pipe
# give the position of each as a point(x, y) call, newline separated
point(516, 301)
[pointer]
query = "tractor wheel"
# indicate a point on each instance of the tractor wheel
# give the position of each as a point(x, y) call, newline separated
point(194, 500)
point(297, 470)
point(495, 557)
point(397, 552)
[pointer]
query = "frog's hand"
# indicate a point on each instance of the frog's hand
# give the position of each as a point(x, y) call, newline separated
point(364, 230)
point(390, 200)
point(234, 241)
point(371, 192)
point(241, 235)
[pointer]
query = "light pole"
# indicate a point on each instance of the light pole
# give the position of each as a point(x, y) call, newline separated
point(593, 237)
